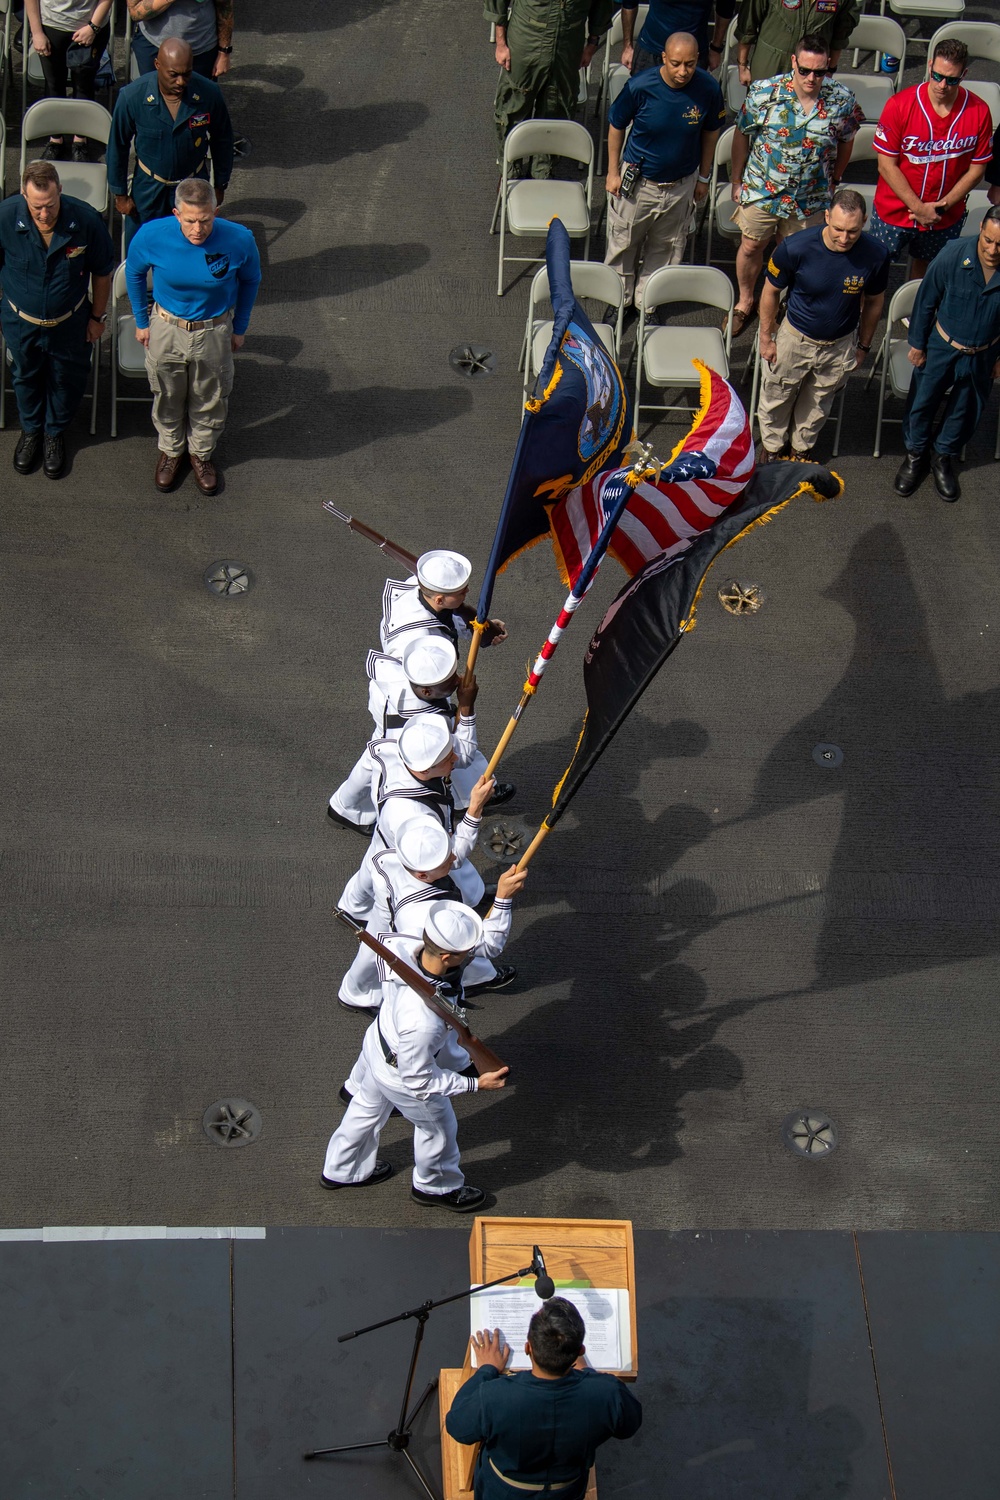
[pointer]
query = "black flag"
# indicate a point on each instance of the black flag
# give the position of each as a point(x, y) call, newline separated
point(656, 608)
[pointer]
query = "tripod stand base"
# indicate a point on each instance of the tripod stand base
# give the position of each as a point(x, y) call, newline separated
point(397, 1441)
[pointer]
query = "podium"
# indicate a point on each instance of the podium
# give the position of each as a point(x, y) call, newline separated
point(598, 1251)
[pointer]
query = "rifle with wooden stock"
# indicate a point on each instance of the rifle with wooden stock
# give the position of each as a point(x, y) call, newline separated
point(453, 1015)
point(398, 554)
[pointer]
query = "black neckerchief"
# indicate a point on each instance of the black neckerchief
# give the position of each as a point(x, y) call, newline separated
point(448, 984)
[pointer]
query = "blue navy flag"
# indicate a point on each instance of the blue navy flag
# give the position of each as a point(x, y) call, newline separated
point(576, 423)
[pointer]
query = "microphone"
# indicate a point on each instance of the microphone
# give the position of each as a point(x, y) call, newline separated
point(545, 1287)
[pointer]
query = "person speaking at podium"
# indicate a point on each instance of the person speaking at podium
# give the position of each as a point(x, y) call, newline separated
point(539, 1429)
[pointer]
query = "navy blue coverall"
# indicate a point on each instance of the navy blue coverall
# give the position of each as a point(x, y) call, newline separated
point(955, 297)
point(50, 365)
point(167, 149)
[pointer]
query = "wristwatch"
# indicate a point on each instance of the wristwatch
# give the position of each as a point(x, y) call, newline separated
point(865, 348)
point(226, 50)
point(102, 319)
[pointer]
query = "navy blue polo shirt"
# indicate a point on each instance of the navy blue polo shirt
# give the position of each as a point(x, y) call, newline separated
point(50, 282)
point(667, 124)
point(667, 16)
point(825, 286)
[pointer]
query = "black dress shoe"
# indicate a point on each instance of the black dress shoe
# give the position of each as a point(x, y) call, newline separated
point(366, 830)
point(911, 473)
point(461, 1201)
point(945, 479)
point(56, 151)
point(29, 446)
point(382, 1172)
point(502, 792)
point(54, 460)
point(368, 1011)
point(80, 151)
point(505, 974)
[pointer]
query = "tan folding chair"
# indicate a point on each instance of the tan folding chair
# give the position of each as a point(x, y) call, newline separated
point(925, 10)
point(863, 151)
point(872, 91)
point(128, 358)
point(892, 360)
point(883, 37)
point(990, 95)
point(525, 206)
point(88, 180)
point(590, 279)
point(721, 208)
point(981, 37)
point(664, 354)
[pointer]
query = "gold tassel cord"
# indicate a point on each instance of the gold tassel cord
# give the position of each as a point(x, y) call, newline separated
point(687, 625)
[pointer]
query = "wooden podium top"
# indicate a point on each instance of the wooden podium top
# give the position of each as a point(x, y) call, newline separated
point(598, 1251)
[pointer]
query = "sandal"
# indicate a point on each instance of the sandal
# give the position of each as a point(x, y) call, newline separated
point(740, 320)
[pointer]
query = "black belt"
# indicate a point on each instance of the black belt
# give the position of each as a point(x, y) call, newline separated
point(387, 1051)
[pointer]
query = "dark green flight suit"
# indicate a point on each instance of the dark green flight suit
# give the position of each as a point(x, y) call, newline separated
point(546, 40)
point(774, 26)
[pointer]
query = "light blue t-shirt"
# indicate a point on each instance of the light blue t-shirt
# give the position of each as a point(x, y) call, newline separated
point(194, 21)
point(193, 281)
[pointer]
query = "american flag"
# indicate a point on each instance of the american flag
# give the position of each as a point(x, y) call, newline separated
point(715, 462)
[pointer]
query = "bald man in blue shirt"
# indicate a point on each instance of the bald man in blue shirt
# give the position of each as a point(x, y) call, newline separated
point(206, 272)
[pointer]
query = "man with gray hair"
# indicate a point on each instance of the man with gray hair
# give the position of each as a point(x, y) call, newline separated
point(835, 278)
point(206, 272)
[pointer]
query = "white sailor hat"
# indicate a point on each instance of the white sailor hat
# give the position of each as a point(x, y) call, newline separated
point(452, 927)
point(443, 572)
point(430, 660)
point(422, 844)
point(423, 741)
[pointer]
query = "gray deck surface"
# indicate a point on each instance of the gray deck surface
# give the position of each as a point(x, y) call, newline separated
point(720, 932)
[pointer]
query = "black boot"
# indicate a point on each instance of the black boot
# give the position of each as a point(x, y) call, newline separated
point(29, 446)
point(945, 479)
point(54, 460)
point(911, 473)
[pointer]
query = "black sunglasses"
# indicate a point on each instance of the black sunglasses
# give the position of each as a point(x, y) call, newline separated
point(813, 72)
point(946, 79)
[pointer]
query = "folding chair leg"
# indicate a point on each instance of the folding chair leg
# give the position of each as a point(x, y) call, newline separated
point(840, 421)
point(95, 369)
point(877, 450)
point(496, 212)
point(503, 233)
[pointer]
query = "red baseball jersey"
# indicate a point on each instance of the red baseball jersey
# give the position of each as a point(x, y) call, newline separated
point(934, 150)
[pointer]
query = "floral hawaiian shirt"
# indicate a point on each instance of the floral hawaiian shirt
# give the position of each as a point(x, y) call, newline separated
point(789, 171)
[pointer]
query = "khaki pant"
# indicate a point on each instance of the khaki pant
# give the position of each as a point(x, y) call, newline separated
point(191, 377)
point(755, 223)
point(649, 230)
point(797, 393)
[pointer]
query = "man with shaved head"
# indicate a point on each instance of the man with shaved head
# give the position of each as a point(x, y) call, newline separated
point(675, 111)
point(180, 127)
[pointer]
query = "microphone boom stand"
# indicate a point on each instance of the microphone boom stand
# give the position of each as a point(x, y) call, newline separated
point(398, 1440)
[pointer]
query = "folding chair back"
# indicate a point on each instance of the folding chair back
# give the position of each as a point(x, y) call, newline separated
point(981, 37)
point(863, 151)
point(990, 95)
point(702, 284)
point(884, 37)
point(85, 180)
point(721, 208)
point(920, 8)
point(871, 90)
point(127, 354)
point(892, 359)
point(549, 138)
point(590, 279)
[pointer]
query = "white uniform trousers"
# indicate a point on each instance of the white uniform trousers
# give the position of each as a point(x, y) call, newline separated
point(353, 1148)
point(353, 797)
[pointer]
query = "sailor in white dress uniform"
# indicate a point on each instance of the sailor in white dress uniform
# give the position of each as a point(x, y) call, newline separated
point(412, 1061)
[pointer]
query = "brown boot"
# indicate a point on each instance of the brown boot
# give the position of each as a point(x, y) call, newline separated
point(205, 476)
point(166, 470)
